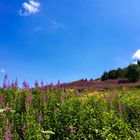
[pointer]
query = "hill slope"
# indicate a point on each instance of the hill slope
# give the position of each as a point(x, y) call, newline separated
point(98, 84)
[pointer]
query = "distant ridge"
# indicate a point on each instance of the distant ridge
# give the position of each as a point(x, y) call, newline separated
point(98, 84)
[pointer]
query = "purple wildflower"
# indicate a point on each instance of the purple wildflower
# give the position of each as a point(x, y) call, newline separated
point(7, 133)
point(36, 84)
point(118, 106)
point(23, 128)
point(124, 108)
point(5, 76)
point(58, 84)
point(111, 95)
point(16, 83)
point(29, 99)
point(56, 87)
point(51, 84)
point(39, 118)
point(30, 89)
point(42, 84)
point(62, 88)
point(8, 85)
point(104, 97)
point(72, 129)
point(1, 99)
point(44, 97)
point(48, 89)
point(65, 90)
point(4, 84)
point(13, 84)
point(25, 85)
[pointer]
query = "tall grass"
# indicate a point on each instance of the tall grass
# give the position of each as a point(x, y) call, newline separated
point(56, 113)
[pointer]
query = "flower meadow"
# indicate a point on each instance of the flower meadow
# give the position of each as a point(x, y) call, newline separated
point(56, 113)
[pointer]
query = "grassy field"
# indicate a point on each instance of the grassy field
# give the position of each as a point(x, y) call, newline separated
point(62, 114)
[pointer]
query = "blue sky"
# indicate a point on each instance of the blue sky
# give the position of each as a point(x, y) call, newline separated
point(66, 40)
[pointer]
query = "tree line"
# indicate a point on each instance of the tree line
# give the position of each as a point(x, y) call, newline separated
point(130, 73)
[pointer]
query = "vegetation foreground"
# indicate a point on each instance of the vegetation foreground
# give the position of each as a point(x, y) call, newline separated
point(55, 113)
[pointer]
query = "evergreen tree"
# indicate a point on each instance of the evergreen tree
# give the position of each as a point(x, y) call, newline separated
point(133, 73)
point(104, 76)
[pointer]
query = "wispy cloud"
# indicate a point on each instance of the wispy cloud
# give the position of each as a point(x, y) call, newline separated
point(50, 26)
point(28, 8)
point(57, 24)
point(136, 55)
point(38, 28)
point(3, 71)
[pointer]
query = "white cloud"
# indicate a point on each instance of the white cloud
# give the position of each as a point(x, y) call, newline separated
point(136, 55)
point(29, 8)
point(134, 62)
point(34, 4)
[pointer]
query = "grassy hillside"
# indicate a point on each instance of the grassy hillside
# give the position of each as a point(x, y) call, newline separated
point(92, 85)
